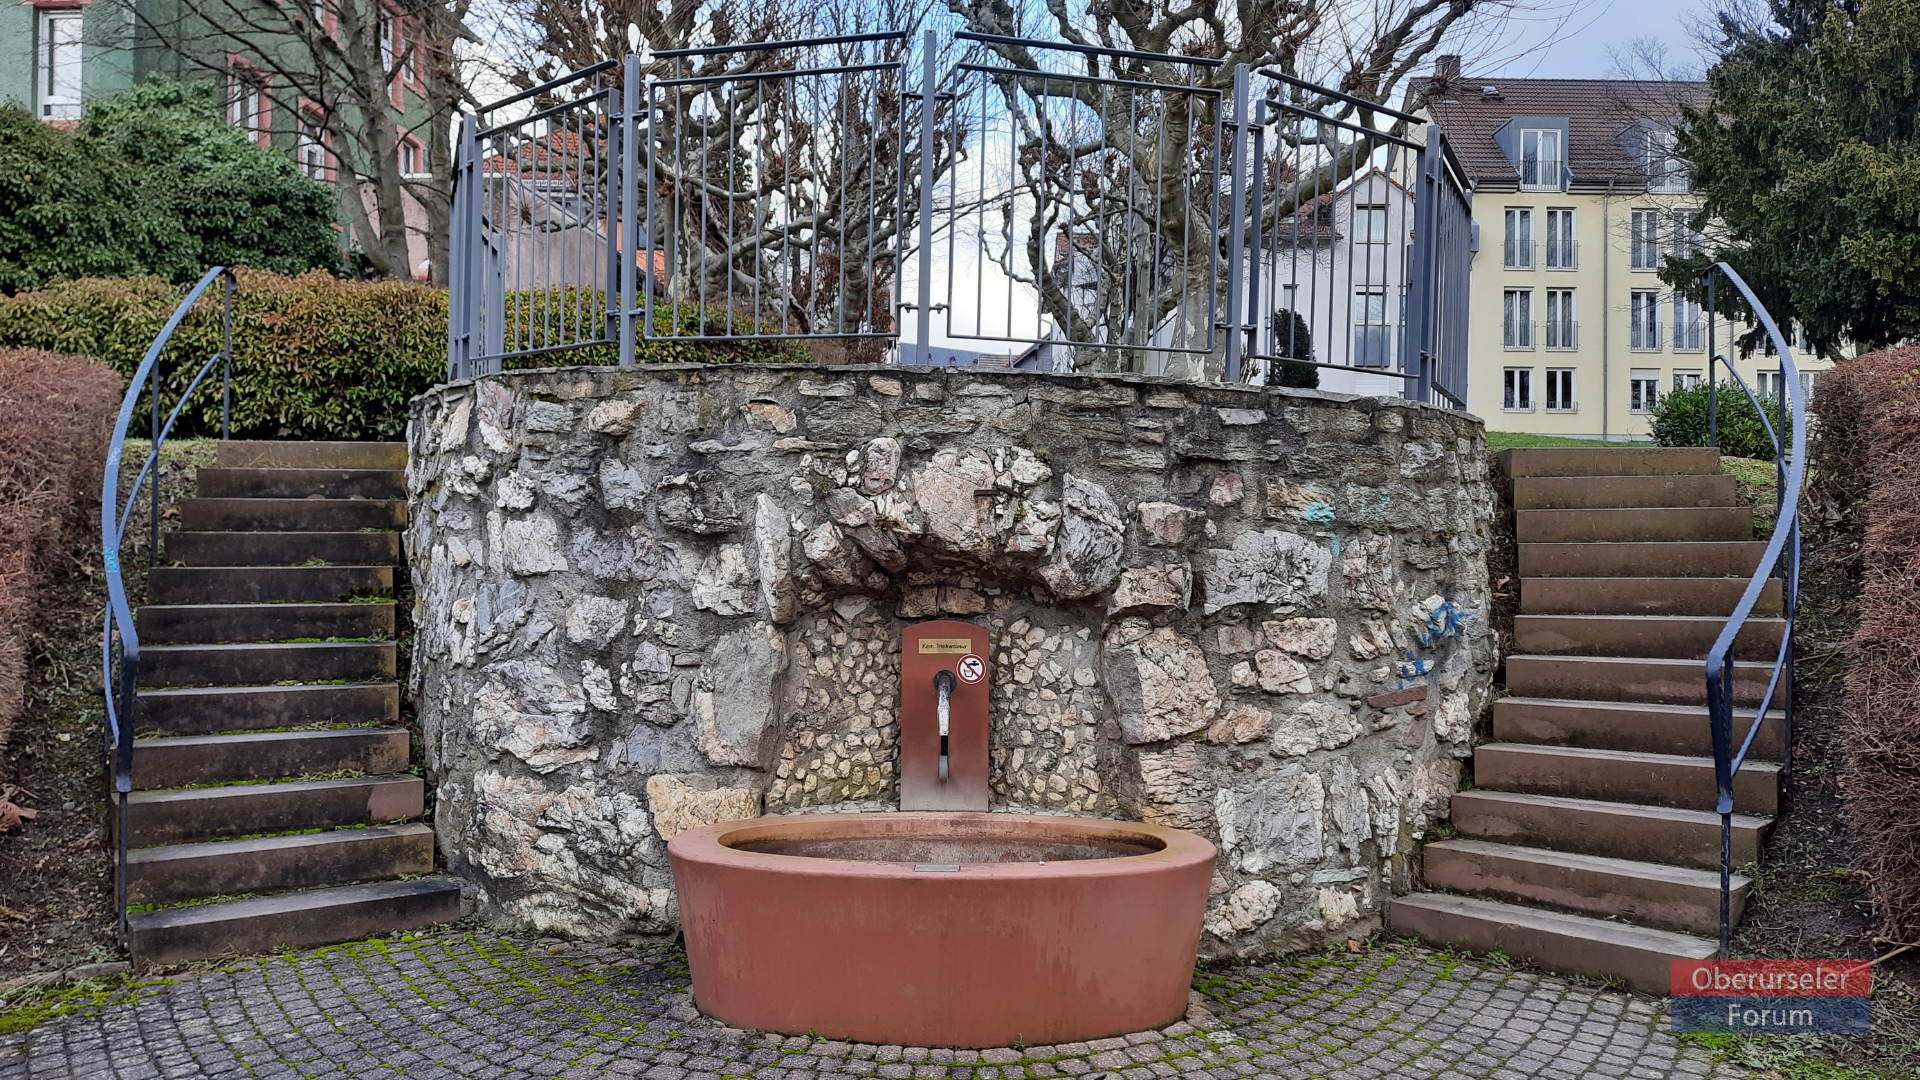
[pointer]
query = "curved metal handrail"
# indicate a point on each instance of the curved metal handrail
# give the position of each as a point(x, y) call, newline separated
point(1782, 557)
point(120, 640)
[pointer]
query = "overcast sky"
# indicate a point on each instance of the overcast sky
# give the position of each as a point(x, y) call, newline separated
point(1572, 41)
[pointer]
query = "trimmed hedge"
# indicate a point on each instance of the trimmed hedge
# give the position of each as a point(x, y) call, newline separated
point(1864, 486)
point(55, 415)
point(314, 356)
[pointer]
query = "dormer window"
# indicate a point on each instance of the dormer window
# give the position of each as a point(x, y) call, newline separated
point(1541, 159)
point(1665, 171)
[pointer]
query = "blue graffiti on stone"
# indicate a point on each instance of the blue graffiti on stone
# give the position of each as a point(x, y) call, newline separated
point(1318, 512)
point(1444, 621)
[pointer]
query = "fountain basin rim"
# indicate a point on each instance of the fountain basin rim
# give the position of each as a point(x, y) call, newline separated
point(712, 844)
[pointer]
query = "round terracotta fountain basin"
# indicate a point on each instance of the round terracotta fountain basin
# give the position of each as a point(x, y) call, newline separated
point(942, 929)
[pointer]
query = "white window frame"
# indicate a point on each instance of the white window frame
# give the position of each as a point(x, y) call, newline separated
point(1372, 338)
point(310, 147)
point(1563, 244)
point(1516, 390)
point(1767, 384)
point(1643, 390)
point(1689, 329)
point(418, 150)
point(59, 98)
point(1643, 320)
point(1518, 253)
point(1542, 159)
point(247, 102)
point(1516, 312)
point(1645, 240)
point(1560, 391)
point(1368, 222)
point(1666, 173)
point(1562, 322)
point(1687, 378)
point(1686, 240)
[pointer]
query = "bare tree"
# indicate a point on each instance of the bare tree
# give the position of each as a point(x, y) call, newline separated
point(1143, 204)
point(345, 71)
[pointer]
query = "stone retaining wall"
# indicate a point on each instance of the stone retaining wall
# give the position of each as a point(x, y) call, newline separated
point(664, 596)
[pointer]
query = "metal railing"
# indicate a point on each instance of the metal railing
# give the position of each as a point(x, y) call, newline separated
point(1075, 206)
point(1781, 559)
point(120, 640)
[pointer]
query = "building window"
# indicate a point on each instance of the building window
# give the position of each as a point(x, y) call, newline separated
point(1806, 386)
point(405, 48)
point(413, 157)
point(1686, 239)
point(1563, 252)
point(1370, 332)
point(1560, 390)
point(1369, 224)
point(1644, 311)
point(1519, 238)
point(1665, 171)
point(247, 105)
point(1771, 383)
point(310, 146)
point(1518, 391)
point(1518, 331)
point(58, 81)
point(1561, 328)
point(1687, 329)
point(1643, 390)
point(1646, 239)
point(1686, 378)
point(1540, 160)
point(386, 43)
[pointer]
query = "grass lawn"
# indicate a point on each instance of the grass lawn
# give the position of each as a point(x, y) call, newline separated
point(1509, 440)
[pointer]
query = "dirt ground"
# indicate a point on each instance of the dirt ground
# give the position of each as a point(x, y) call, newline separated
point(56, 870)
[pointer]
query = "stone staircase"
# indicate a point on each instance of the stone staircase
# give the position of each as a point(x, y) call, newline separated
point(1588, 842)
point(272, 803)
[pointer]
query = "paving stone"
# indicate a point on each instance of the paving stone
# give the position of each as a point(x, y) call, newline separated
point(453, 1004)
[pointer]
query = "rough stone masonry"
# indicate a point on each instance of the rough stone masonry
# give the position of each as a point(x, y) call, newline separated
point(652, 598)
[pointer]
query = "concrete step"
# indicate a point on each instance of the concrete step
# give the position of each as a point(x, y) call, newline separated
point(1687, 637)
point(1577, 772)
point(275, 454)
point(265, 755)
point(1627, 725)
point(1661, 525)
point(291, 515)
point(261, 663)
point(1616, 678)
point(266, 663)
point(265, 584)
point(188, 815)
point(177, 872)
point(1616, 492)
point(1660, 834)
point(283, 548)
point(1643, 893)
point(1610, 461)
point(280, 483)
point(1638, 956)
point(203, 624)
point(1643, 596)
point(289, 920)
point(209, 710)
point(1705, 558)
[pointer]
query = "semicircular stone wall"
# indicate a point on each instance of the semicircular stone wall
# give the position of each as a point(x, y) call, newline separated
point(668, 595)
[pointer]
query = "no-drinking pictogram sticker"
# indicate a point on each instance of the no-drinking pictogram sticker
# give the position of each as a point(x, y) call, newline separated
point(972, 668)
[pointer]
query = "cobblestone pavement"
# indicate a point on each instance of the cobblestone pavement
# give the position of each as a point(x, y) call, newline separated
point(475, 1005)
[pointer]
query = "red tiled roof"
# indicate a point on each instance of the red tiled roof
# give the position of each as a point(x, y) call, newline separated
point(1597, 111)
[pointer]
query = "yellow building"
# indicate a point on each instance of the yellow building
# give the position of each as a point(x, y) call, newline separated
point(1577, 201)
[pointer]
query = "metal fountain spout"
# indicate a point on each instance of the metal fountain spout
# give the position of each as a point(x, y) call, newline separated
point(943, 685)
